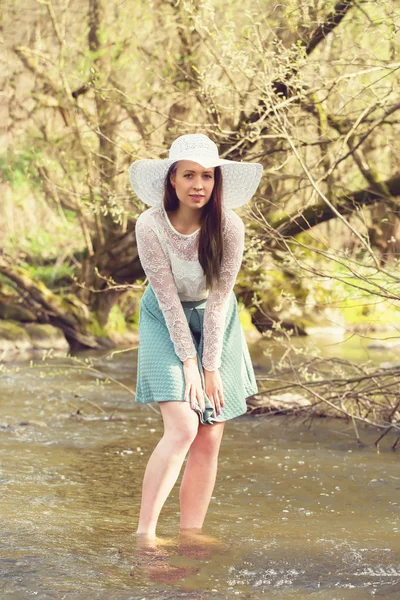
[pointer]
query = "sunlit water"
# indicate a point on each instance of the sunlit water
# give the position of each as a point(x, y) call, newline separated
point(298, 512)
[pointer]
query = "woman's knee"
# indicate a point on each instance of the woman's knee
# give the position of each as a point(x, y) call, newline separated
point(181, 423)
point(181, 435)
point(208, 440)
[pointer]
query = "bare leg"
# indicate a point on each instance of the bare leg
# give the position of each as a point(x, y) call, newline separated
point(180, 428)
point(199, 477)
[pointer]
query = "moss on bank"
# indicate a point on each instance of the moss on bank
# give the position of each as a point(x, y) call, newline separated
point(12, 331)
point(15, 337)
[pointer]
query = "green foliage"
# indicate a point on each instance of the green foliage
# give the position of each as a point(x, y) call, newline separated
point(32, 226)
point(11, 330)
point(50, 275)
point(129, 305)
point(45, 244)
point(116, 320)
point(133, 319)
point(245, 318)
point(18, 167)
point(95, 328)
point(116, 323)
point(357, 300)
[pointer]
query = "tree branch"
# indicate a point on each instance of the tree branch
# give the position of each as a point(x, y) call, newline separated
point(281, 88)
point(69, 314)
point(346, 204)
point(332, 21)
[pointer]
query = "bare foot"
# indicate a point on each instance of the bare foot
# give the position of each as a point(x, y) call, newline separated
point(196, 544)
point(197, 535)
point(151, 561)
point(146, 540)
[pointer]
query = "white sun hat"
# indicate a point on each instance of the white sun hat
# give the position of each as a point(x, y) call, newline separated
point(239, 179)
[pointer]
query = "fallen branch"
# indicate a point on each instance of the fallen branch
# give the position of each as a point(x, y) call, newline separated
point(336, 388)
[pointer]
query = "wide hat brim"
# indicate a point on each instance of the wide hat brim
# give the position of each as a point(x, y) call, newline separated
point(240, 179)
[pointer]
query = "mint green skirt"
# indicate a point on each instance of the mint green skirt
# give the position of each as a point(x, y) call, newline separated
point(160, 376)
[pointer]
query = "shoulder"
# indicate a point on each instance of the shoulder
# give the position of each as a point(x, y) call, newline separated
point(146, 219)
point(232, 222)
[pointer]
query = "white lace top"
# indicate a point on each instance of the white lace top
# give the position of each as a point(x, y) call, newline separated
point(170, 262)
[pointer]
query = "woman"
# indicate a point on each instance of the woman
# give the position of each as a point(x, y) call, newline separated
point(193, 358)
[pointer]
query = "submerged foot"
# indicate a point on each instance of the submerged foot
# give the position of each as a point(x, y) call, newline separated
point(197, 534)
point(196, 544)
point(146, 540)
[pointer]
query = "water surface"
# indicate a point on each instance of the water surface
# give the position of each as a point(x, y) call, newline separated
point(299, 511)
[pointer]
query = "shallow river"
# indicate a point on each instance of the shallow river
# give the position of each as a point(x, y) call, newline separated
point(297, 512)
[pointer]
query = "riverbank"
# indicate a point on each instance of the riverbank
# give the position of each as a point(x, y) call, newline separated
point(25, 340)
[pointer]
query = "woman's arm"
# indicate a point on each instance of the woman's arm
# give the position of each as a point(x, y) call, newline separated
point(216, 306)
point(158, 270)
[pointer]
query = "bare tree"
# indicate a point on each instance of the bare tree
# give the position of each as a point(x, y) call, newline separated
point(309, 89)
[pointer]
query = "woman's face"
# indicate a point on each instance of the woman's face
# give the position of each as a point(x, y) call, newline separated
point(194, 184)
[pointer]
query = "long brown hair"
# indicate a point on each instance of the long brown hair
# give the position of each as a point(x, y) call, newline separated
point(211, 242)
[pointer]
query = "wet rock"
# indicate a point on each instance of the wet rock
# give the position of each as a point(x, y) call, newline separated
point(383, 344)
point(389, 365)
point(46, 336)
point(28, 423)
point(16, 338)
point(13, 336)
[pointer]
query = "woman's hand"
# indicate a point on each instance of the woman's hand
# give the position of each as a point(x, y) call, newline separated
point(193, 387)
point(214, 389)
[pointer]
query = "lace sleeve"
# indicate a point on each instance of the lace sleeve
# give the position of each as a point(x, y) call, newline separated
point(216, 306)
point(157, 268)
